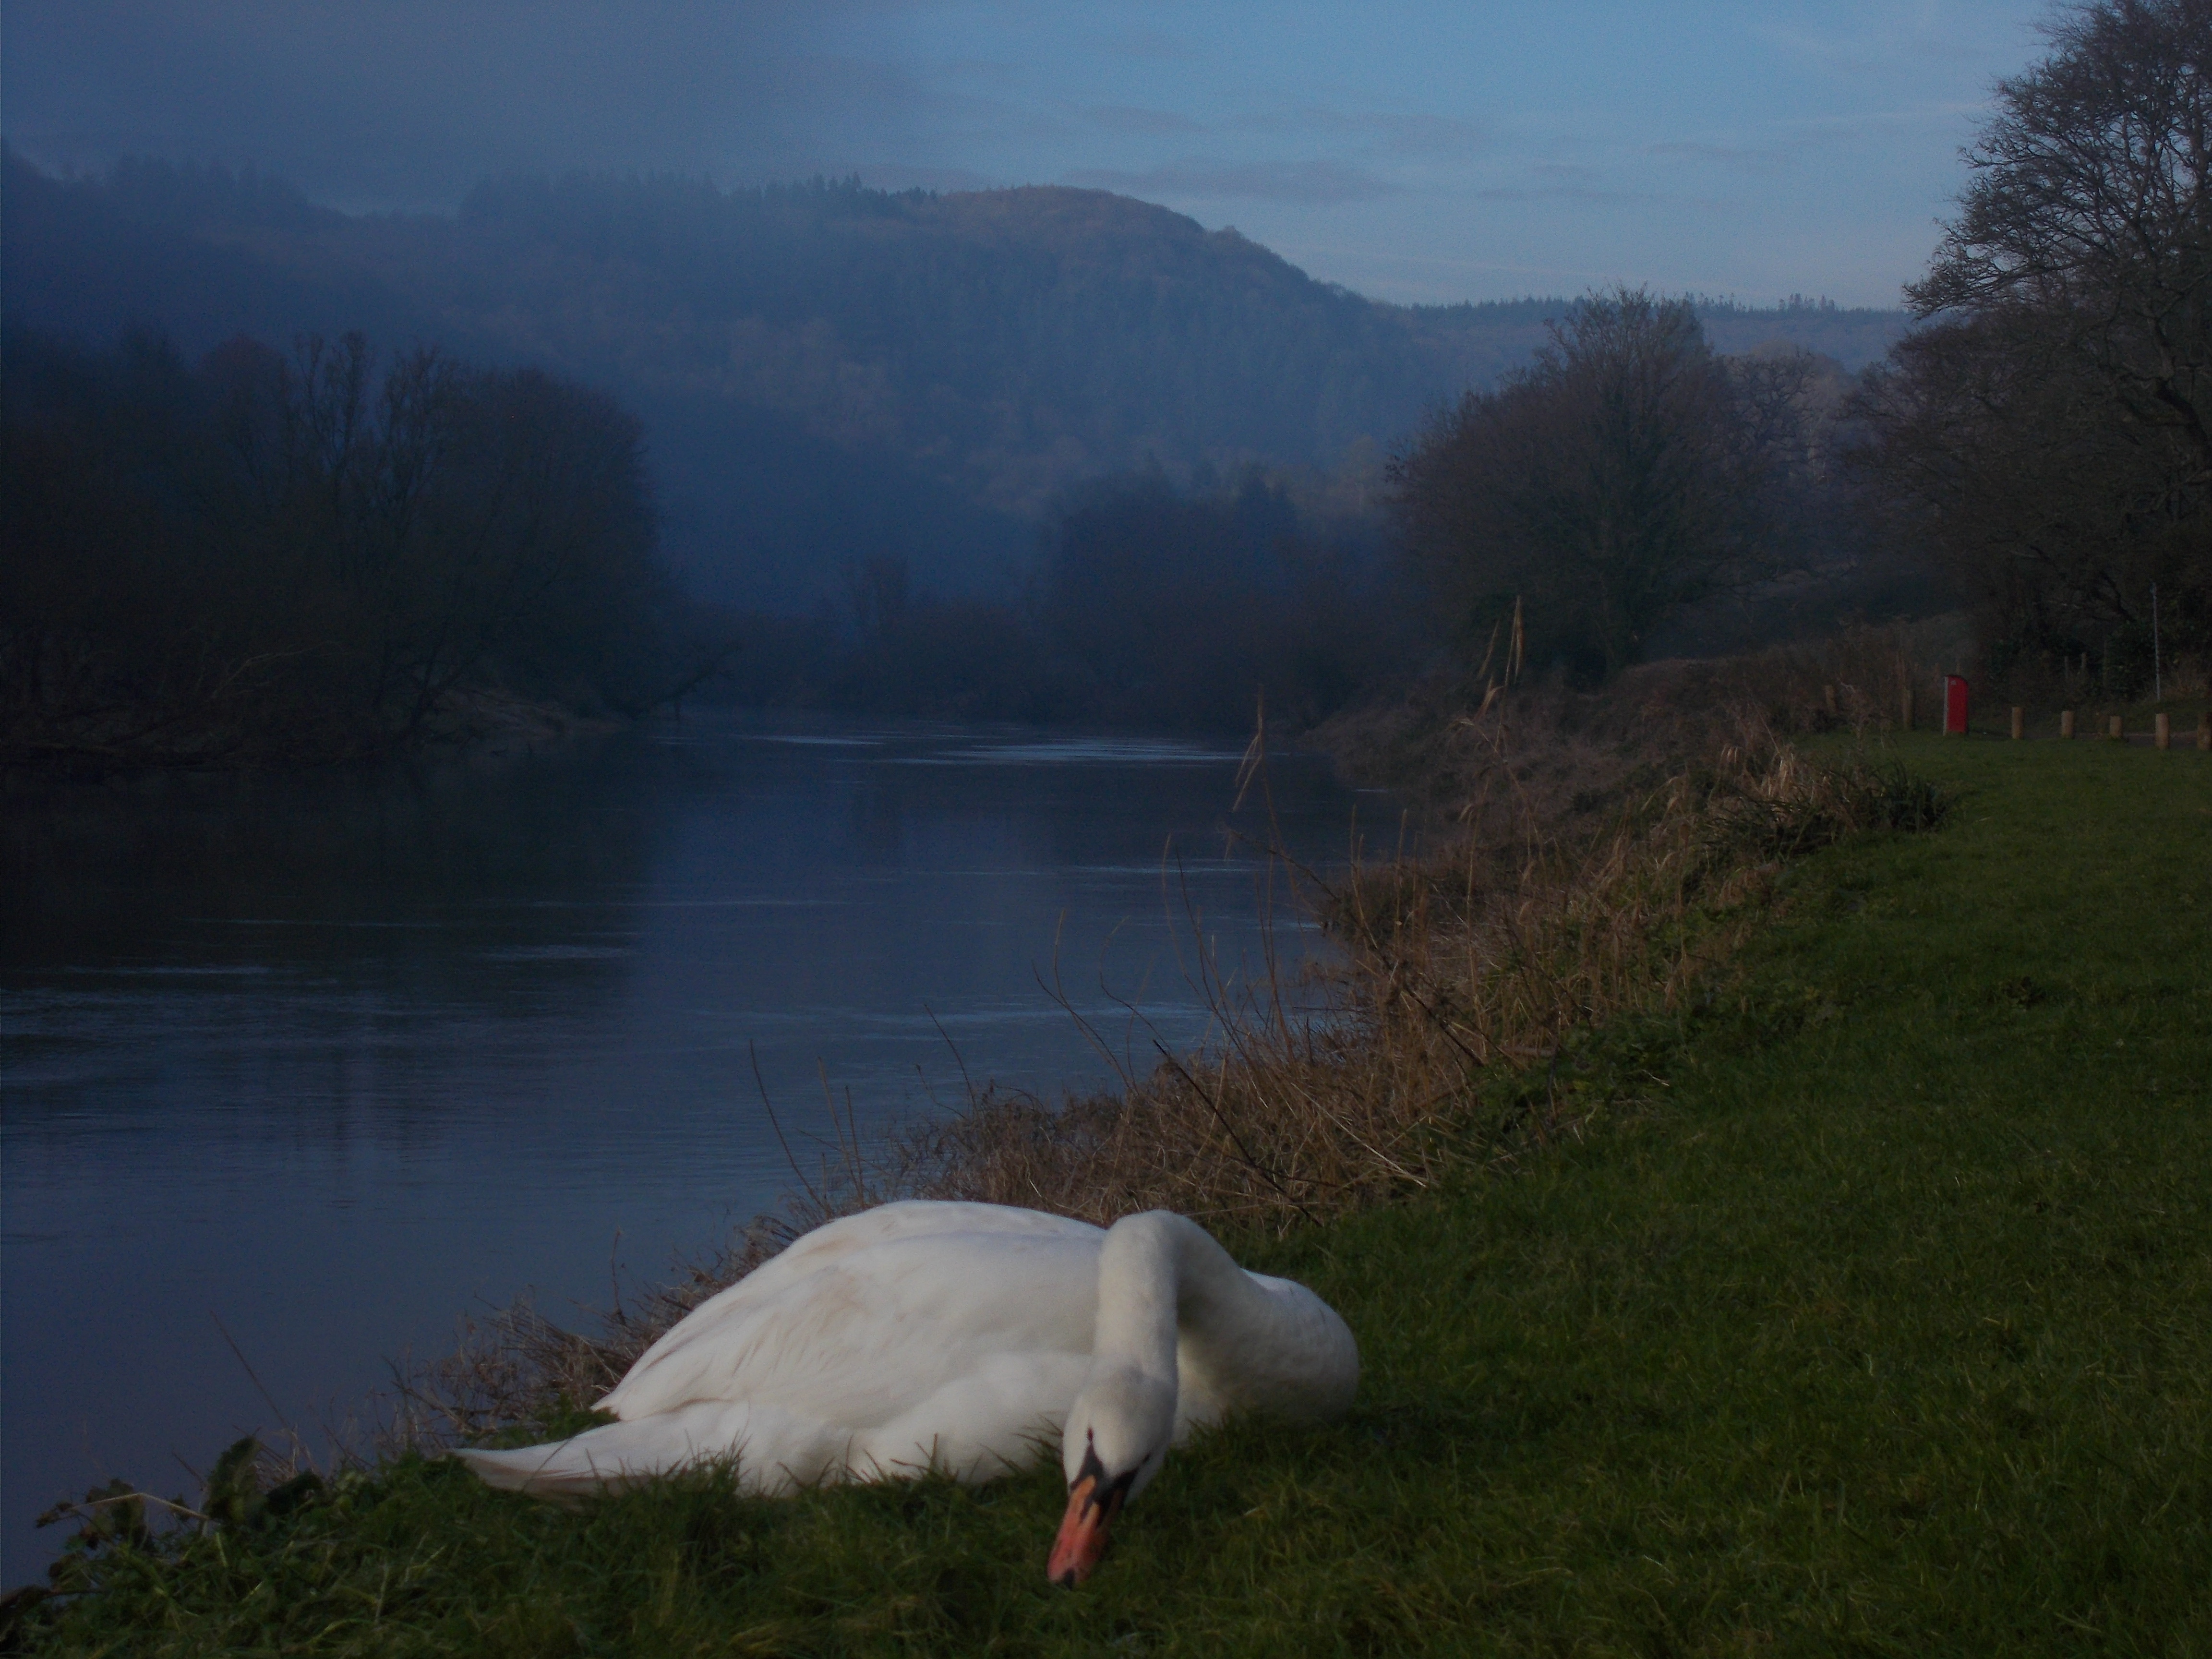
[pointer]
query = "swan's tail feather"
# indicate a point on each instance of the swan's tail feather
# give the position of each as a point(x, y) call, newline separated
point(768, 1450)
point(544, 1472)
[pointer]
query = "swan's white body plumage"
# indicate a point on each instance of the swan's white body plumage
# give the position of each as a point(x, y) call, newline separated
point(954, 1337)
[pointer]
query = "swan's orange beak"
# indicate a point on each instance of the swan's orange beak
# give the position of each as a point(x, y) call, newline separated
point(1082, 1538)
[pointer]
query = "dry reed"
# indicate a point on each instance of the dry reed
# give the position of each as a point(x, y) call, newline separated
point(1459, 971)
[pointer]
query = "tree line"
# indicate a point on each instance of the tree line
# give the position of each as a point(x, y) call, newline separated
point(321, 551)
point(324, 554)
point(2044, 439)
point(820, 368)
point(1153, 602)
point(2047, 433)
point(1627, 473)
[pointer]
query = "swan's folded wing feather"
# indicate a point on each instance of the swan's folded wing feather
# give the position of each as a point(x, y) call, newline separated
point(910, 1221)
point(865, 1333)
point(996, 1419)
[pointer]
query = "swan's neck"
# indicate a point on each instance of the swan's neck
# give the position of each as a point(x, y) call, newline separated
point(1159, 1275)
point(1176, 1310)
point(1183, 1335)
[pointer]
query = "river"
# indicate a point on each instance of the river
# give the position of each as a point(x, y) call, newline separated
point(296, 1070)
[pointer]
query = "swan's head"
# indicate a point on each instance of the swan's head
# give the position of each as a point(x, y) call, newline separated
point(1118, 1433)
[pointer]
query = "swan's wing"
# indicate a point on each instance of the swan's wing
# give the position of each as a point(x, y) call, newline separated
point(917, 1218)
point(907, 1220)
point(914, 1335)
point(921, 1217)
point(994, 1419)
point(981, 1427)
point(857, 1335)
point(911, 1218)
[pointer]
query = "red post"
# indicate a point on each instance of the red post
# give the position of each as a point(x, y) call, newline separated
point(1954, 705)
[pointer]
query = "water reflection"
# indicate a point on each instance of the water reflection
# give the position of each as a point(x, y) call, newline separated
point(332, 1059)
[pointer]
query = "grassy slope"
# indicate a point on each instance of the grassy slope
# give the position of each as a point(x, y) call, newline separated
point(1884, 1326)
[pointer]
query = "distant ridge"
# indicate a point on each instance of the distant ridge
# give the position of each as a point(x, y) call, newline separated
point(826, 371)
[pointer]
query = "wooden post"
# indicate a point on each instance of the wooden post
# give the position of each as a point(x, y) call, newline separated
point(1828, 696)
point(1907, 708)
point(2112, 732)
point(2162, 731)
point(2066, 724)
point(2018, 723)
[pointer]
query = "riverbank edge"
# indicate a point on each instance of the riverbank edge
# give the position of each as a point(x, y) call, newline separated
point(1548, 910)
point(1739, 892)
point(476, 719)
point(1533, 1545)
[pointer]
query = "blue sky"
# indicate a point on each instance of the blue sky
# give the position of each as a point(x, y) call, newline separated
point(1414, 151)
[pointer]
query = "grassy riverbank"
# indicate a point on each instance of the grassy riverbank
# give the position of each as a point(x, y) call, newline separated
point(1873, 1312)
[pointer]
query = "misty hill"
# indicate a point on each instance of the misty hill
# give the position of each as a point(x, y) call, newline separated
point(826, 373)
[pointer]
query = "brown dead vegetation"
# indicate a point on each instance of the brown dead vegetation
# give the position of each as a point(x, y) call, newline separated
point(1599, 862)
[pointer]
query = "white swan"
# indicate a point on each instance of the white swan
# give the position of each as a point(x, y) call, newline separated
point(962, 1337)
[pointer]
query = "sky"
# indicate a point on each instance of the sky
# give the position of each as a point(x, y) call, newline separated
point(1415, 151)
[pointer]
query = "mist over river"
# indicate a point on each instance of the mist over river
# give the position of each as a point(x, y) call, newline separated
point(326, 1061)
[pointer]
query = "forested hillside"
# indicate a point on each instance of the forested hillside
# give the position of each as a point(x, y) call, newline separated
point(825, 373)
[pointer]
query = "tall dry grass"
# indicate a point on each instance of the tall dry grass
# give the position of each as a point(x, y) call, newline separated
point(1574, 752)
point(1582, 879)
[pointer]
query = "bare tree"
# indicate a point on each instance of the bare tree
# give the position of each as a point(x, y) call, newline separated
point(2048, 433)
point(1623, 476)
point(318, 555)
point(2088, 208)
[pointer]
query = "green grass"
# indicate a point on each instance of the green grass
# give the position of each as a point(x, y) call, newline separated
point(1875, 1316)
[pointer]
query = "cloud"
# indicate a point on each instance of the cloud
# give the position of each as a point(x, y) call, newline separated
point(1311, 183)
point(408, 102)
point(1791, 143)
point(1742, 155)
point(1399, 263)
point(1559, 193)
point(1881, 44)
point(1143, 122)
point(1393, 134)
point(1152, 45)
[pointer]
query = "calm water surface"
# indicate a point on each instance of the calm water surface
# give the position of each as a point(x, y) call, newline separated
point(326, 1061)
